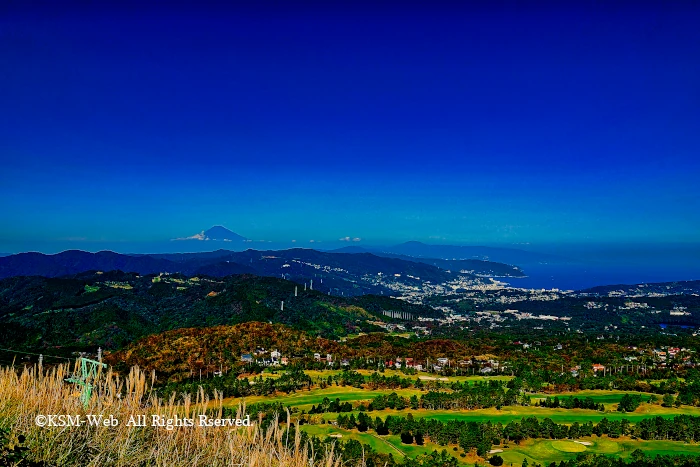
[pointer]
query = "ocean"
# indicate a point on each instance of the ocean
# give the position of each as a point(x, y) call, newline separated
point(581, 276)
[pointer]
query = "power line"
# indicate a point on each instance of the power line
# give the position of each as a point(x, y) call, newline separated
point(37, 354)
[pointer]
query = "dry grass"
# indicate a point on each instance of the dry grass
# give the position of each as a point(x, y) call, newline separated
point(36, 392)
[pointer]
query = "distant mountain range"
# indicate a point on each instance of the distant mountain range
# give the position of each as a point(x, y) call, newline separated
point(219, 237)
point(454, 252)
point(217, 233)
point(220, 252)
point(74, 261)
point(470, 266)
point(663, 288)
point(337, 273)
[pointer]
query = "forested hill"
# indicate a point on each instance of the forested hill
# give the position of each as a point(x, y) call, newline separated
point(172, 351)
point(300, 263)
point(471, 266)
point(74, 261)
point(665, 288)
point(265, 263)
point(112, 309)
point(338, 273)
point(175, 353)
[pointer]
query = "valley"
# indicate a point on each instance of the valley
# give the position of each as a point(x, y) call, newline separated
point(386, 354)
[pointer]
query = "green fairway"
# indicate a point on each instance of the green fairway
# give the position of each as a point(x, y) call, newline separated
point(425, 376)
point(599, 396)
point(538, 451)
point(390, 444)
point(566, 445)
point(375, 442)
point(508, 414)
point(318, 375)
point(305, 399)
point(545, 451)
point(412, 450)
point(322, 374)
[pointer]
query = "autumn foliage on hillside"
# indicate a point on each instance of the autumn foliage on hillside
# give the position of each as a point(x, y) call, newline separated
point(183, 351)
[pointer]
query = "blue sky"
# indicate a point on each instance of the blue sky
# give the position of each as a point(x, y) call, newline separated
point(472, 125)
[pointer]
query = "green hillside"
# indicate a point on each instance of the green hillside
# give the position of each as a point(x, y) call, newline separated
point(112, 309)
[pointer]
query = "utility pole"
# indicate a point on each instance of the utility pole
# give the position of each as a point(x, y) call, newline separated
point(89, 371)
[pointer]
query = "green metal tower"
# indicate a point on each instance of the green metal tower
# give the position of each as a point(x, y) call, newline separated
point(88, 373)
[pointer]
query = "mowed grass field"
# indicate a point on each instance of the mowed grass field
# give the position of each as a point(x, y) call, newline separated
point(535, 451)
point(324, 374)
point(544, 451)
point(515, 413)
point(390, 444)
point(305, 399)
point(599, 396)
point(429, 376)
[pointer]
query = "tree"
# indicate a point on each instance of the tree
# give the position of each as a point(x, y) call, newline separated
point(419, 438)
point(496, 460)
point(638, 455)
point(629, 403)
point(406, 437)
point(668, 400)
point(380, 427)
point(353, 450)
point(363, 422)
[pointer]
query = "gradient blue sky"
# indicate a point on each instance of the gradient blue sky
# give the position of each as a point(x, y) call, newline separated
point(442, 124)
